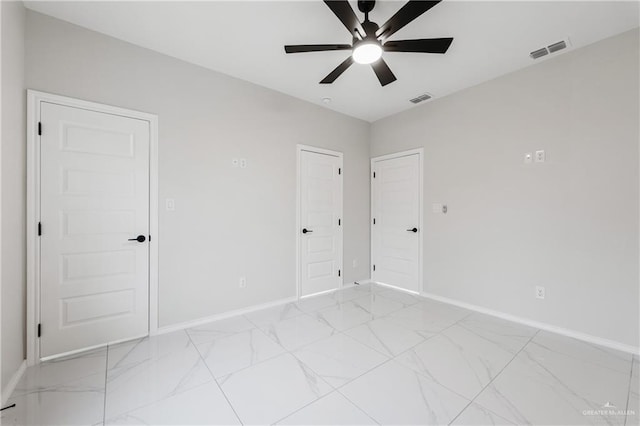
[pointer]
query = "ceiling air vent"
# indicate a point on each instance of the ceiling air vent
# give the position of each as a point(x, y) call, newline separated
point(420, 98)
point(552, 48)
point(557, 46)
point(539, 53)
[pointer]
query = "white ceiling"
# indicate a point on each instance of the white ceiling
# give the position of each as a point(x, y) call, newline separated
point(245, 40)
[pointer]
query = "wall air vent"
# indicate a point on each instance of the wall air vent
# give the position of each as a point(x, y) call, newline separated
point(552, 48)
point(420, 98)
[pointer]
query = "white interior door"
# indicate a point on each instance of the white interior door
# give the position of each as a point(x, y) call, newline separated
point(94, 188)
point(320, 222)
point(396, 229)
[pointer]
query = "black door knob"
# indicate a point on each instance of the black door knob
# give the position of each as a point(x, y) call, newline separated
point(139, 238)
point(305, 230)
point(412, 230)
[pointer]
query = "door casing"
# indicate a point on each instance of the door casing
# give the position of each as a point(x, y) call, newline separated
point(420, 153)
point(34, 100)
point(299, 149)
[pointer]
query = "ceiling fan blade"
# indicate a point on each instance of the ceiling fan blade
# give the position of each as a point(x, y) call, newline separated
point(338, 71)
point(342, 9)
point(407, 13)
point(301, 48)
point(425, 45)
point(383, 72)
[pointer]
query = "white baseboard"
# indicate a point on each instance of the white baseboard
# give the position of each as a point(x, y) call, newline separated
point(11, 386)
point(243, 311)
point(224, 315)
point(612, 344)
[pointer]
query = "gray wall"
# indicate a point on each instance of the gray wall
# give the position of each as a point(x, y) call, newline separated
point(228, 222)
point(570, 224)
point(13, 157)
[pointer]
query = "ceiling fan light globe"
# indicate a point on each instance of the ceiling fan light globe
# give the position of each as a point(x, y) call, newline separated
point(367, 53)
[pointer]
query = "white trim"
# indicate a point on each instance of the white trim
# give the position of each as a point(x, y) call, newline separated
point(13, 382)
point(299, 149)
point(90, 348)
point(420, 152)
point(612, 344)
point(247, 310)
point(333, 290)
point(393, 287)
point(34, 99)
point(224, 315)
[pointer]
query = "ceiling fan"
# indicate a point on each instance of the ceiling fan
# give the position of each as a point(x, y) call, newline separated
point(370, 40)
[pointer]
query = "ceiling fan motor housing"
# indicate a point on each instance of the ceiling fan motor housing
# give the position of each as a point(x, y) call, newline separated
point(366, 6)
point(370, 29)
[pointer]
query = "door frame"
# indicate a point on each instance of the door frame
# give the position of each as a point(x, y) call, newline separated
point(420, 152)
point(299, 149)
point(34, 100)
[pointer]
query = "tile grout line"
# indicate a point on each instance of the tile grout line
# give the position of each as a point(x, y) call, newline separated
point(336, 332)
point(106, 375)
point(334, 389)
point(626, 408)
point(494, 378)
point(391, 358)
point(215, 380)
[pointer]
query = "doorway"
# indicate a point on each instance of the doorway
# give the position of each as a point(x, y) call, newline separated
point(319, 227)
point(93, 257)
point(396, 210)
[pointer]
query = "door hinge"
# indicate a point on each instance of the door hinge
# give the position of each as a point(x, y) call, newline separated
point(339, 222)
point(374, 220)
point(374, 267)
point(39, 128)
point(338, 272)
point(39, 229)
point(374, 175)
point(149, 238)
point(339, 170)
point(39, 330)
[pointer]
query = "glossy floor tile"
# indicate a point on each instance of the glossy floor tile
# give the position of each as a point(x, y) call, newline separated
point(333, 409)
point(394, 394)
point(269, 391)
point(460, 359)
point(229, 354)
point(385, 336)
point(364, 355)
point(574, 381)
point(476, 415)
point(339, 359)
point(218, 329)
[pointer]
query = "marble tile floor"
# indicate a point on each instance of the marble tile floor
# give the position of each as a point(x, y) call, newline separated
point(363, 355)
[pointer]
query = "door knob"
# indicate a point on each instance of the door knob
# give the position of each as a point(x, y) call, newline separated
point(412, 230)
point(139, 238)
point(305, 230)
